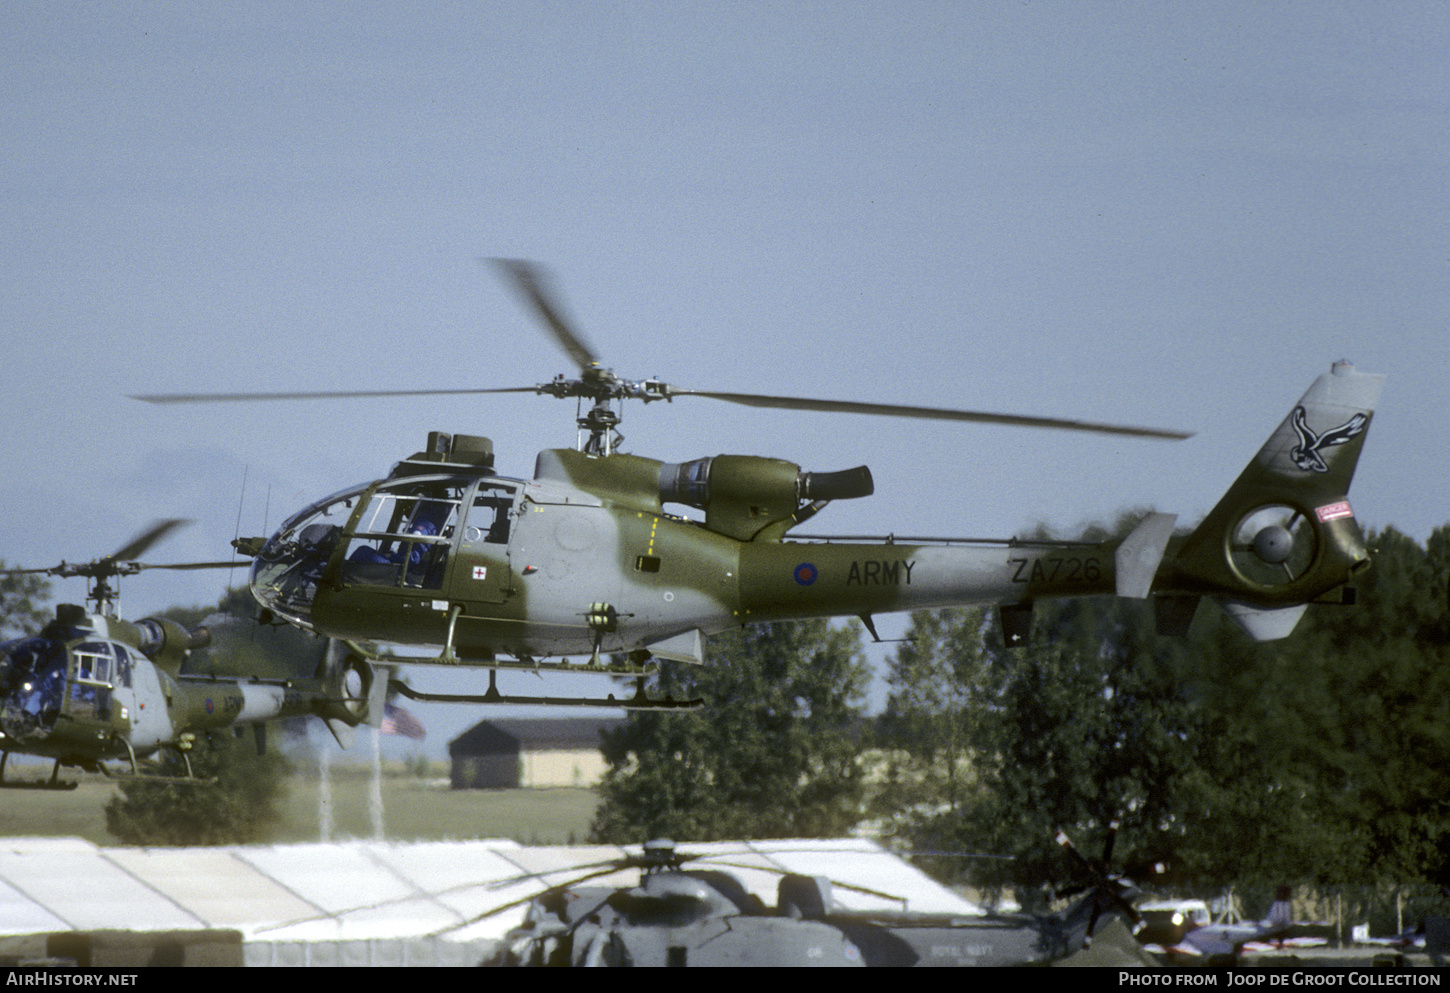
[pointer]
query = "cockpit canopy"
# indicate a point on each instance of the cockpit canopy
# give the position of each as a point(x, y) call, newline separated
point(32, 688)
point(396, 533)
point(40, 680)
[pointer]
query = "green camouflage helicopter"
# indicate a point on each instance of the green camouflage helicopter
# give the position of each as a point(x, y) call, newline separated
point(585, 559)
point(91, 688)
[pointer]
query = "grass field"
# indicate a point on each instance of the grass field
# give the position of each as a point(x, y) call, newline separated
point(412, 810)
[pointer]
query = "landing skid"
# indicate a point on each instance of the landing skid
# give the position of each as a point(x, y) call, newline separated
point(148, 777)
point(137, 776)
point(640, 700)
point(53, 783)
point(39, 784)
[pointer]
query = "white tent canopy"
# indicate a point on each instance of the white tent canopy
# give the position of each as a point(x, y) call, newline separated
point(362, 902)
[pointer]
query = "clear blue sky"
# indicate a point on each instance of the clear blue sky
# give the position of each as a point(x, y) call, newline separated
point(1173, 214)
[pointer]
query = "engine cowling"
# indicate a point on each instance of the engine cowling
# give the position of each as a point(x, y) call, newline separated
point(742, 495)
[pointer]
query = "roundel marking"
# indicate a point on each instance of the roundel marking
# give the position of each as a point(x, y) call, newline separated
point(806, 573)
point(209, 705)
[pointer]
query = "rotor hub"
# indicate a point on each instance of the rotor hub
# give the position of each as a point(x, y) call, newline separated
point(1274, 544)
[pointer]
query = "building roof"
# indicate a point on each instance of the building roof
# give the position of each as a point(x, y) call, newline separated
point(533, 734)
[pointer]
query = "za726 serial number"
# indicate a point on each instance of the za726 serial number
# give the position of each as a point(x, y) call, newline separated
point(1056, 570)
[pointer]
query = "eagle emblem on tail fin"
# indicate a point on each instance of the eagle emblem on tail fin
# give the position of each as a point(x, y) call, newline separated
point(1306, 454)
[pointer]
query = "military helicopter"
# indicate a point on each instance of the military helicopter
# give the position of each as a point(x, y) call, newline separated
point(92, 688)
point(703, 916)
point(585, 559)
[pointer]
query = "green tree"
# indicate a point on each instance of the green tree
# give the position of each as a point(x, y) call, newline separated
point(1089, 725)
point(239, 807)
point(1318, 760)
point(1358, 700)
point(773, 754)
point(927, 774)
point(21, 603)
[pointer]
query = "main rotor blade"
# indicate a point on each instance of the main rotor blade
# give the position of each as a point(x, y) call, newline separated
point(530, 282)
point(1108, 844)
point(927, 413)
point(163, 398)
point(138, 545)
point(198, 565)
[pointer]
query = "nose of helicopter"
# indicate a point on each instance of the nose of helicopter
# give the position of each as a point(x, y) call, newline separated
point(285, 575)
point(32, 688)
point(9, 685)
point(289, 566)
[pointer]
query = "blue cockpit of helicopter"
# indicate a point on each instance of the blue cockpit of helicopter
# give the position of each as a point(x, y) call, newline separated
point(417, 528)
point(40, 680)
point(32, 688)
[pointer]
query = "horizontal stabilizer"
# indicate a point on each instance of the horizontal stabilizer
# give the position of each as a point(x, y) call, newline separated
point(688, 646)
point(341, 730)
point(1136, 559)
point(1263, 624)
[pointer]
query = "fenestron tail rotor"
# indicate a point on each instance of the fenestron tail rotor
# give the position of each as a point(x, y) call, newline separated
point(1274, 544)
point(605, 392)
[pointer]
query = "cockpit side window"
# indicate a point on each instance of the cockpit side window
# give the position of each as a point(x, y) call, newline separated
point(491, 514)
point(121, 672)
point(403, 535)
point(90, 691)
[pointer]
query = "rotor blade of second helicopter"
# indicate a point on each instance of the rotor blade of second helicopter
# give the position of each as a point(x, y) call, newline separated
point(320, 395)
point(137, 545)
point(927, 413)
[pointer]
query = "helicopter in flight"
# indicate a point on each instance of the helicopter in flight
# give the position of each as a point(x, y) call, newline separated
point(597, 555)
point(91, 687)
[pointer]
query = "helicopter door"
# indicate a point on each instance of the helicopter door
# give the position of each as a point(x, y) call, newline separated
point(123, 696)
point(482, 569)
point(402, 537)
point(150, 717)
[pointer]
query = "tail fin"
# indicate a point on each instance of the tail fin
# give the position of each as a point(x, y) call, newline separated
point(1284, 533)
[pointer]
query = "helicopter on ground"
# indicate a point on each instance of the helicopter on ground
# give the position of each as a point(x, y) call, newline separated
point(585, 559)
point(688, 911)
point(91, 688)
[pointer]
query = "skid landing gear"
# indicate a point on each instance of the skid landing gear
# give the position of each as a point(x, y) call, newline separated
point(54, 783)
point(640, 701)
